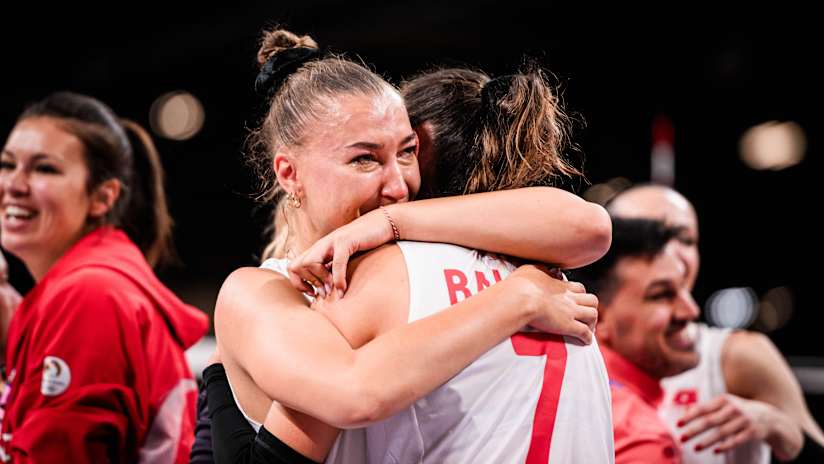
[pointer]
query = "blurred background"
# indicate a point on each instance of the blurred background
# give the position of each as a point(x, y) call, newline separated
point(731, 119)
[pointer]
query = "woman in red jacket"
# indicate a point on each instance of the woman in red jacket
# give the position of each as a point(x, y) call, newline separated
point(95, 360)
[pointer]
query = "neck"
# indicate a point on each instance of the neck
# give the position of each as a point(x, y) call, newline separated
point(39, 262)
point(302, 235)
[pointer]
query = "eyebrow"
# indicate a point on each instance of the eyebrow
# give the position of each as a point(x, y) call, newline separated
point(378, 146)
point(36, 156)
point(660, 283)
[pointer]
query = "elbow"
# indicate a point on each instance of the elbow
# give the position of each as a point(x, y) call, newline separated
point(787, 448)
point(600, 231)
point(595, 237)
point(361, 406)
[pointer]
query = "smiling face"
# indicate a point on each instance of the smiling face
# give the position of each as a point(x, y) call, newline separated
point(43, 191)
point(647, 320)
point(362, 155)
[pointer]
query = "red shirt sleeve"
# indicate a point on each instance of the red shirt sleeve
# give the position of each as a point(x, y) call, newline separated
point(81, 388)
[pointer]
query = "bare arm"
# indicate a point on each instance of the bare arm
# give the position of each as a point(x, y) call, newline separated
point(540, 224)
point(764, 402)
point(543, 224)
point(297, 356)
point(755, 369)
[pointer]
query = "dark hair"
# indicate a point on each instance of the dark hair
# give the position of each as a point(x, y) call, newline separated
point(117, 149)
point(643, 238)
point(490, 134)
point(301, 98)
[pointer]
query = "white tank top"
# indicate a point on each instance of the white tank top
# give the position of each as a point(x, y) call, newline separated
point(532, 399)
point(700, 384)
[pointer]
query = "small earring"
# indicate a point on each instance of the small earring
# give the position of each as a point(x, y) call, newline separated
point(294, 200)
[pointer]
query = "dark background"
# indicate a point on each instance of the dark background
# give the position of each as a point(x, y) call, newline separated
point(713, 81)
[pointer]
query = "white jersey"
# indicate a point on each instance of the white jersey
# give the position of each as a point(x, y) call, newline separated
point(698, 385)
point(535, 398)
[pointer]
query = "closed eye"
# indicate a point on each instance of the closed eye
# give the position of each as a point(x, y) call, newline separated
point(411, 150)
point(364, 159)
point(665, 295)
point(47, 169)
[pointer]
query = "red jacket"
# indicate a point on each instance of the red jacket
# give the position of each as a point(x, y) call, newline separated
point(95, 362)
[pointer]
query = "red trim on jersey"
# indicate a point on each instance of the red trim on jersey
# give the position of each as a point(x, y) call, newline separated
point(554, 348)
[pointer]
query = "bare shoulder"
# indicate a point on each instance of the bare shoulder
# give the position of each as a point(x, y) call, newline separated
point(385, 257)
point(251, 291)
point(748, 349)
point(377, 298)
point(246, 278)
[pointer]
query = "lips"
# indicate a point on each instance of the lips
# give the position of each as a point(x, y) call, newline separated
point(18, 212)
point(17, 216)
point(682, 337)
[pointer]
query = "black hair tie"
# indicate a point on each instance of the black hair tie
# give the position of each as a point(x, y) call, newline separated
point(494, 90)
point(280, 66)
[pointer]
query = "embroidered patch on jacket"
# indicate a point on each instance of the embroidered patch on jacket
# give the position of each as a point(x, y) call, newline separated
point(56, 376)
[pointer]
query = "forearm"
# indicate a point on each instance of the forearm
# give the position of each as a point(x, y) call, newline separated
point(231, 435)
point(811, 427)
point(541, 223)
point(785, 436)
point(755, 369)
point(393, 370)
point(404, 364)
point(202, 448)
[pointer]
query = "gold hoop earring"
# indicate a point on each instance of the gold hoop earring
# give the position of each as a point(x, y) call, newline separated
point(294, 200)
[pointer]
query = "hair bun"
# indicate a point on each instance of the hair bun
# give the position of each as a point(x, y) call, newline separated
point(278, 40)
point(279, 66)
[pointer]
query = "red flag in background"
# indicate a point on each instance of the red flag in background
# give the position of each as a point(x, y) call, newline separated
point(662, 158)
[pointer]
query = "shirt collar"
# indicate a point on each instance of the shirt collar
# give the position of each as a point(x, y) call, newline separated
point(623, 372)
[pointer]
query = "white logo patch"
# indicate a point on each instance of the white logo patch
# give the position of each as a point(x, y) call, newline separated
point(56, 376)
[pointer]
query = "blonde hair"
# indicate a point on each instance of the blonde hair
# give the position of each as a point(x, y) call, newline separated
point(300, 100)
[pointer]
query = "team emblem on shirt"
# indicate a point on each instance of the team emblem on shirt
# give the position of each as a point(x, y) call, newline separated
point(56, 376)
point(686, 397)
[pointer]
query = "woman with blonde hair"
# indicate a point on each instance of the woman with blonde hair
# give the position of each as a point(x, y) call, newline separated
point(340, 144)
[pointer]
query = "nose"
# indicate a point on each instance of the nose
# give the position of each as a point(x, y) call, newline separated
point(687, 309)
point(394, 188)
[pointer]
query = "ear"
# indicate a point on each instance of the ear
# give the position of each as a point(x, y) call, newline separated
point(104, 198)
point(286, 172)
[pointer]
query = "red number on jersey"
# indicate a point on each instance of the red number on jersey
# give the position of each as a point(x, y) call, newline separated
point(540, 344)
